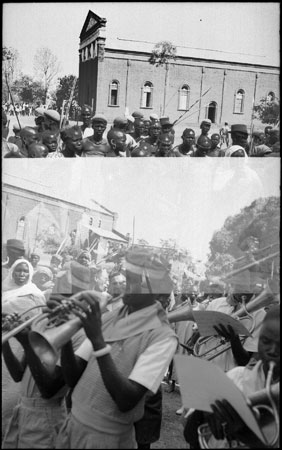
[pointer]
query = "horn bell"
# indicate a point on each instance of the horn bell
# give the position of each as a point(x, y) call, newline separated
point(46, 345)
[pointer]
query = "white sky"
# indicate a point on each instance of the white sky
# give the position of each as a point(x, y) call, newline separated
point(185, 200)
point(239, 27)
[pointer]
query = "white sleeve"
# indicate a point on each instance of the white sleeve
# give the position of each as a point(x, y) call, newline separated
point(151, 365)
point(84, 350)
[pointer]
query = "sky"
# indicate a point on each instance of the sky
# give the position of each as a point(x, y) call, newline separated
point(183, 200)
point(250, 28)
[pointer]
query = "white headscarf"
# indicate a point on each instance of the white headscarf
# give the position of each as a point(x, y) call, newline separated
point(233, 149)
point(11, 292)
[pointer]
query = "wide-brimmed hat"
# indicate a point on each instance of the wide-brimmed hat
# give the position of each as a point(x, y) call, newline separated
point(15, 244)
point(239, 128)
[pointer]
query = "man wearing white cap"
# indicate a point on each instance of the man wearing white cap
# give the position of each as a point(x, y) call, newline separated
point(51, 120)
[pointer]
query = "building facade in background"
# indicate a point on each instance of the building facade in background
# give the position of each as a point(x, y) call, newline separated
point(47, 224)
point(115, 78)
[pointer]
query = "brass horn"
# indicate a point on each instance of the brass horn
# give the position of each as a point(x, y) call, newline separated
point(47, 339)
point(12, 324)
point(184, 312)
point(265, 298)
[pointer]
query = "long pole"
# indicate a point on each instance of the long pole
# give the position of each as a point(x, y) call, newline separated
point(10, 93)
point(133, 230)
point(166, 76)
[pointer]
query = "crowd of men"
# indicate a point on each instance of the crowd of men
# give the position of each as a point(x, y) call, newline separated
point(105, 389)
point(131, 136)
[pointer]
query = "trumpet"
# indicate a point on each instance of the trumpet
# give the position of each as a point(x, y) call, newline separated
point(47, 339)
point(12, 324)
point(265, 298)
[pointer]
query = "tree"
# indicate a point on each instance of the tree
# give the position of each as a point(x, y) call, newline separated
point(10, 69)
point(28, 90)
point(46, 67)
point(162, 54)
point(260, 220)
point(267, 111)
point(63, 92)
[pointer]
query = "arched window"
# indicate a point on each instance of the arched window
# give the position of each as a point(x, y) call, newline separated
point(113, 93)
point(270, 97)
point(183, 97)
point(20, 228)
point(147, 95)
point(211, 111)
point(239, 101)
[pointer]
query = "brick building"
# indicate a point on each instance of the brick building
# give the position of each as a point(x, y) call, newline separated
point(44, 219)
point(115, 77)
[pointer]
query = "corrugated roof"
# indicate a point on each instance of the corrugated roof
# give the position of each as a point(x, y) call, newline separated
point(187, 52)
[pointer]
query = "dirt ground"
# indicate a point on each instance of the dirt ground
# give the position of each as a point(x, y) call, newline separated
point(172, 428)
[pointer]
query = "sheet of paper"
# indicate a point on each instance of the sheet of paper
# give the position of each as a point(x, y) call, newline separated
point(202, 382)
point(206, 320)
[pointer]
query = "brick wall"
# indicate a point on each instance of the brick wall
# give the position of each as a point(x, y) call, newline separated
point(184, 71)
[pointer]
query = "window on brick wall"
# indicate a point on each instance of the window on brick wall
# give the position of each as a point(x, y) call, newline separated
point(20, 228)
point(147, 95)
point(113, 93)
point(239, 100)
point(183, 97)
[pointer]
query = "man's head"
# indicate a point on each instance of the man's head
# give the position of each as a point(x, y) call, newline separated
point(164, 144)
point(51, 119)
point(188, 137)
point(155, 129)
point(55, 261)
point(203, 145)
point(86, 115)
point(274, 136)
point(154, 118)
point(117, 284)
point(72, 137)
point(120, 123)
point(239, 135)
point(34, 259)
point(267, 130)
point(147, 276)
point(215, 139)
point(147, 124)
point(15, 250)
point(37, 150)
point(137, 115)
point(84, 258)
point(29, 135)
point(99, 124)
point(269, 340)
point(139, 127)
point(50, 139)
point(205, 126)
point(166, 124)
point(117, 140)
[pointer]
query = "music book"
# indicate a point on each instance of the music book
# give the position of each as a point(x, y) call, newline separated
point(202, 382)
point(206, 320)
